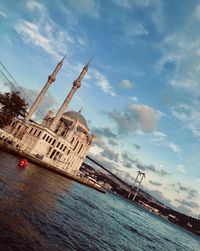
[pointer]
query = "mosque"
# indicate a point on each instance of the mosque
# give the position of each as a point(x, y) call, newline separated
point(61, 140)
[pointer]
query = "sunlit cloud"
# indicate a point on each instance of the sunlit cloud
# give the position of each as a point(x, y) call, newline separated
point(135, 117)
point(126, 84)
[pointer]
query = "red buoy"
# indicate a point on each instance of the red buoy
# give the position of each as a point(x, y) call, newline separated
point(23, 163)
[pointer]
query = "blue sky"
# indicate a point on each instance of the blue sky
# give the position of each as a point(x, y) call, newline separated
point(141, 96)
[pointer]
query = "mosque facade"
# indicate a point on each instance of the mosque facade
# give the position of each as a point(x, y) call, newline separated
point(61, 140)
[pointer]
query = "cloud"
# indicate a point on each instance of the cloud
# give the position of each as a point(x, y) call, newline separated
point(183, 209)
point(153, 169)
point(101, 80)
point(100, 142)
point(134, 99)
point(86, 7)
point(181, 168)
point(180, 50)
point(126, 84)
point(43, 33)
point(134, 30)
point(127, 28)
point(106, 151)
point(104, 162)
point(137, 147)
point(158, 136)
point(132, 3)
point(155, 183)
point(135, 118)
point(187, 203)
point(33, 5)
point(3, 14)
point(125, 176)
point(189, 115)
point(104, 132)
point(113, 142)
point(197, 12)
point(191, 193)
point(160, 197)
point(128, 159)
point(157, 15)
point(174, 148)
point(110, 154)
point(44, 36)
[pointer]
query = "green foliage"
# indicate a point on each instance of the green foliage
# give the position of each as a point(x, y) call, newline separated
point(11, 105)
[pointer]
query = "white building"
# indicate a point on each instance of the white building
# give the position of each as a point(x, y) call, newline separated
point(62, 140)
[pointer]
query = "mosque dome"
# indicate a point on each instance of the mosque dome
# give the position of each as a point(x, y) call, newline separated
point(76, 116)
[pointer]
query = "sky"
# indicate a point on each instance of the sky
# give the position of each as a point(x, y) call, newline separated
point(141, 95)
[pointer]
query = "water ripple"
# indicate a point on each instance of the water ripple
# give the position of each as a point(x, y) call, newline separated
point(41, 211)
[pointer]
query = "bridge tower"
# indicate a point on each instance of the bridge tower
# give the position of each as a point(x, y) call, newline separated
point(137, 182)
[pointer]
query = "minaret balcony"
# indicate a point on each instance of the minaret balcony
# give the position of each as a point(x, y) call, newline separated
point(77, 84)
point(51, 78)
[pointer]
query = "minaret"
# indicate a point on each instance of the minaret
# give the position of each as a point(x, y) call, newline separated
point(76, 85)
point(51, 79)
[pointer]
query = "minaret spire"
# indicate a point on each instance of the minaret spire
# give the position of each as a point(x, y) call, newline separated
point(80, 111)
point(51, 79)
point(89, 62)
point(76, 85)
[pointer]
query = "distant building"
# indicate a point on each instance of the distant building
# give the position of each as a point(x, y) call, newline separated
point(61, 140)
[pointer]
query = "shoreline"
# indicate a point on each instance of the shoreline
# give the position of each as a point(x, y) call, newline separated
point(10, 149)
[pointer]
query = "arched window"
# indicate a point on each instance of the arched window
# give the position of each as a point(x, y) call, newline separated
point(44, 136)
point(80, 148)
point(76, 145)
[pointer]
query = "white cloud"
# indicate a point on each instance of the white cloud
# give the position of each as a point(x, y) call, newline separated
point(42, 32)
point(174, 148)
point(157, 15)
point(31, 33)
point(158, 137)
point(101, 80)
point(33, 5)
point(181, 168)
point(132, 3)
point(134, 30)
point(86, 7)
point(3, 14)
point(126, 84)
point(189, 115)
point(197, 12)
point(45, 35)
point(181, 50)
point(134, 98)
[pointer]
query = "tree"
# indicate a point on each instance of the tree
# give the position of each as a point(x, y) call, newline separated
point(11, 105)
